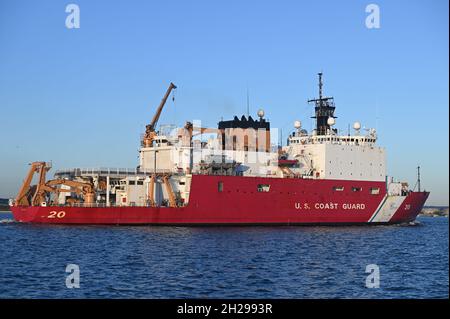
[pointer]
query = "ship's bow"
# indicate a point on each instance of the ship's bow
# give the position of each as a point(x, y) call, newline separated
point(412, 207)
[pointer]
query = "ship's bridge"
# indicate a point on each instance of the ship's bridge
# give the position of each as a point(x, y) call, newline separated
point(302, 138)
point(333, 156)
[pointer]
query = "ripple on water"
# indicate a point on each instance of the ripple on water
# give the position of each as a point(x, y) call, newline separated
point(7, 221)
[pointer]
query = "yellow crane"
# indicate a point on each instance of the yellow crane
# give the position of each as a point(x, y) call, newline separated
point(151, 128)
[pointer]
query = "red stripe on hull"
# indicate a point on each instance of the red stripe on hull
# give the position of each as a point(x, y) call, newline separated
point(289, 201)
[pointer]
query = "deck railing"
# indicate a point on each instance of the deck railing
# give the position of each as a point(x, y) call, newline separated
point(99, 205)
point(109, 171)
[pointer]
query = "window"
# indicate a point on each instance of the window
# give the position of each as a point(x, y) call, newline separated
point(356, 189)
point(338, 188)
point(263, 187)
point(132, 183)
point(220, 187)
point(374, 190)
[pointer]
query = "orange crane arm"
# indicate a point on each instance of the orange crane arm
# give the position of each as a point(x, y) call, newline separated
point(150, 128)
point(205, 130)
point(49, 189)
point(172, 201)
point(39, 195)
point(200, 130)
point(86, 188)
point(151, 191)
point(161, 105)
point(21, 198)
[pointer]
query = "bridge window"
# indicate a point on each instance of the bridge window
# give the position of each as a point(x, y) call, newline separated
point(356, 189)
point(338, 188)
point(263, 187)
point(374, 190)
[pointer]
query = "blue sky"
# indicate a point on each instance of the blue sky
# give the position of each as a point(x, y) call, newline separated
point(81, 97)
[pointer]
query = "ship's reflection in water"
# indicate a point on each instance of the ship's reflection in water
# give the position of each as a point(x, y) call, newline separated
point(224, 262)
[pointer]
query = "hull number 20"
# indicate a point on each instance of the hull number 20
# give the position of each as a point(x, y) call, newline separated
point(55, 214)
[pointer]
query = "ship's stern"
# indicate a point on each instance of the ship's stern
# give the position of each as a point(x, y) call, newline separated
point(24, 214)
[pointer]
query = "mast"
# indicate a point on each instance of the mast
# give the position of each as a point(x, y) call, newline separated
point(324, 109)
point(418, 177)
point(320, 85)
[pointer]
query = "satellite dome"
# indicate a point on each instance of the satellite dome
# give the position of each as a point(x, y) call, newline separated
point(297, 124)
point(357, 126)
point(261, 113)
point(331, 121)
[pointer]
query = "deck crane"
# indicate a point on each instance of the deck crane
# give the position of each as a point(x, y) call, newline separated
point(36, 194)
point(150, 128)
point(84, 188)
point(199, 130)
point(23, 198)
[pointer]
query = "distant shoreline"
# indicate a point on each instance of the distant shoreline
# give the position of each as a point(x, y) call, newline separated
point(434, 211)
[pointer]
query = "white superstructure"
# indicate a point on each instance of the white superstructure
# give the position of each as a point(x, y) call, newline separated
point(350, 157)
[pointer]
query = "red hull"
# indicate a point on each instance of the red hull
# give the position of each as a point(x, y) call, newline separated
point(289, 202)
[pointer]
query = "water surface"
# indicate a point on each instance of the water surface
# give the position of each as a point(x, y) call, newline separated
point(224, 262)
